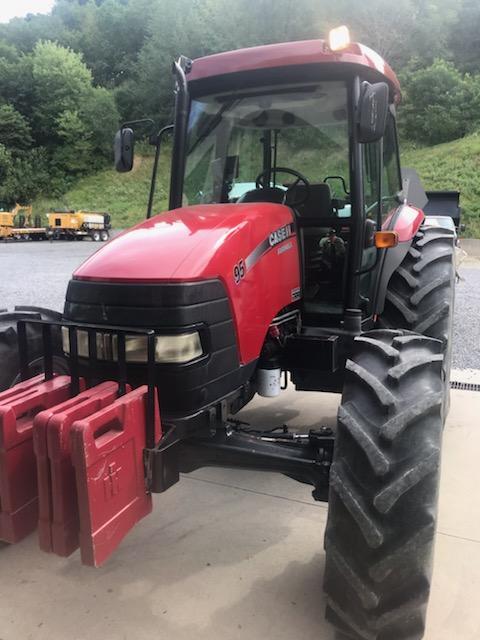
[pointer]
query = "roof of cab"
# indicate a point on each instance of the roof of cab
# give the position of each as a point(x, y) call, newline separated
point(290, 54)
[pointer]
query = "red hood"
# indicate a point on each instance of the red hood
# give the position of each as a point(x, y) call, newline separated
point(185, 244)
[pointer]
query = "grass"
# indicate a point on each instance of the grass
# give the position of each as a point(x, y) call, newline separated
point(123, 195)
point(454, 165)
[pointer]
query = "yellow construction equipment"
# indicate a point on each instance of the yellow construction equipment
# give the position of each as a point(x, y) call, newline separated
point(6, 223)
point(18, 222)
point(78, 225)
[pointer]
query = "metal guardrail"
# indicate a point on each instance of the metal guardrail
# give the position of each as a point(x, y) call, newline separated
point(464, 386)
point(73, 358)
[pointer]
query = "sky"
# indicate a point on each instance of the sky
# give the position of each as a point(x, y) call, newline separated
point(12, 8)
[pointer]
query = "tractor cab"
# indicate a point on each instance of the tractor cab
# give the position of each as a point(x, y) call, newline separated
point(298, 137)
point(289, 144)
point(310, 125)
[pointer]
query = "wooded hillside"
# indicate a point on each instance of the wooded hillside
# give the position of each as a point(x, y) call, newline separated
point(68, 78)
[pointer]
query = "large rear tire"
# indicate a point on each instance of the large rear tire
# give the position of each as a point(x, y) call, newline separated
point(421, 292)
point(384, 487)
point(10, 369)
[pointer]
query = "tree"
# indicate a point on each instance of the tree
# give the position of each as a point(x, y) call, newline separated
point(99, 113)
point(61, 82)
point(6, 170)
point(57, 126)
point(15, 131)
point(109, 34)
point(465, 37)
point(62, 99)
point(30, 175)
point(398, 31)
point(86, 134)
point(440, 103)
point(15, 79)
point(24, 33)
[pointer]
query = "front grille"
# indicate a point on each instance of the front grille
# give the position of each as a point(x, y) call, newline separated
point(153, 305)
point(165, 308)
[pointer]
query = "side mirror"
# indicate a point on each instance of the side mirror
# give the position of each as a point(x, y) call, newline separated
point(373, 111)
point(124, 149)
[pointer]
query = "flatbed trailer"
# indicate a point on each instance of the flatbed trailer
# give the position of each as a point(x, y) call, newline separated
point(62, 225)
point(77, 225)
point(17, 222)
point(26, 233)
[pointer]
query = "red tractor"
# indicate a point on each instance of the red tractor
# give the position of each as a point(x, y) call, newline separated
point(292, 251)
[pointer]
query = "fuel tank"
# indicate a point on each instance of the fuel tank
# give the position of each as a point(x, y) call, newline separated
point(251, 248)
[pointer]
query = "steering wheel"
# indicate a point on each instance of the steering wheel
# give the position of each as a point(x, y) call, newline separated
point(267, 174)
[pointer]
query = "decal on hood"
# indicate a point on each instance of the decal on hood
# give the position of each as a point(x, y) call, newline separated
point(276, 237)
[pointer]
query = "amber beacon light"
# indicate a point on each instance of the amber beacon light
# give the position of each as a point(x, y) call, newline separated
point(339, 38)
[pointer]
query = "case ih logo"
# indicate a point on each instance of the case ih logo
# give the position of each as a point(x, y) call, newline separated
point(280, 235)
point(276, 237)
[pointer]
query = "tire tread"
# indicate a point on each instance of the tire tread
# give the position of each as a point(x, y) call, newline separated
point(378, 560)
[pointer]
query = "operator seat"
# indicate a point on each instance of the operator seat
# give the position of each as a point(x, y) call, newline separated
point(319, 203)
point(269, 194)
point(324, 274)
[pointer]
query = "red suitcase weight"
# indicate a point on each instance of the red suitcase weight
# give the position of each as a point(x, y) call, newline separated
point(107, 452)
point(20, 388)
point(58, 510)
point(18, 481)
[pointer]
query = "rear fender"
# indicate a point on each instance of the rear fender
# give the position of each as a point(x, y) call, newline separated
point(443, 222)
point(406, 221)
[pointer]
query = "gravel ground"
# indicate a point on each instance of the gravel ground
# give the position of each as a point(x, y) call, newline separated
point(466, 340)
point(38, 273)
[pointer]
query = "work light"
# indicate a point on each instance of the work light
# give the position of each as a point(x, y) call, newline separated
point(174, 349)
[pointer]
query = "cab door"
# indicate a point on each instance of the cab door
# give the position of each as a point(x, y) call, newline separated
point(381, 187)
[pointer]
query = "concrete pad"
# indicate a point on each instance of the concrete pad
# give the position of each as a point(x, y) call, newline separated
point(453, 612)
point(466, 376)
point(471, 246)
point(459, 501)
point(234, 555)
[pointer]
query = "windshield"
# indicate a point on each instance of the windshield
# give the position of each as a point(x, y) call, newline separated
point(233, 138)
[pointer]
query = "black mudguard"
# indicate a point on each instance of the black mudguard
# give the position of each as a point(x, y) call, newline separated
point(393, 258)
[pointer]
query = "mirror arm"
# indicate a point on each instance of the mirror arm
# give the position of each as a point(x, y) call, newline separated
point(380, 183)
point(135, 123)
point(158, 142)
point(182, 101)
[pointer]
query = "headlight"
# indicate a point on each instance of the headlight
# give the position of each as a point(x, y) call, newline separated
point(82, 344)
point(174, 349)
point(178, 349)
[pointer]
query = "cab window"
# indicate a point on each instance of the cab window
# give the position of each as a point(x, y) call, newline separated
point(391, 180)
point(234, 138)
